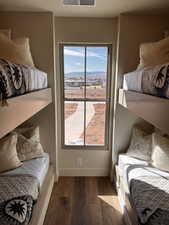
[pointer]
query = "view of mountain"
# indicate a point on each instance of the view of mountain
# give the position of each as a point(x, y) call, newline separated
point(77, 74)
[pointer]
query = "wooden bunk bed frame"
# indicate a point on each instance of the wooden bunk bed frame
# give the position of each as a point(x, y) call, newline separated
point(129, 213)
point(22, 108)
point(41, 206)
point(151, 108)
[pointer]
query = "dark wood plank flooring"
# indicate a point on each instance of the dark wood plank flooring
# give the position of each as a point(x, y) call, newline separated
point(83, 201)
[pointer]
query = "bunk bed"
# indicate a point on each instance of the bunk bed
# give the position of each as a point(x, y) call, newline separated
point(17, 107)
point(145, 93)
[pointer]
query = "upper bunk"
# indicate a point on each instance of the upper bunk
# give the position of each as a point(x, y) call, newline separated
point(23, 92)
point(145, 93)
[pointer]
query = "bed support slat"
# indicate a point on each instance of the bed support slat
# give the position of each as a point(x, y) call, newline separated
point(22, 108)
point(152, 109)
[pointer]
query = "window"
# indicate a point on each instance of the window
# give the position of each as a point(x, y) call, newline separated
point(85, 95)
point(79, 2)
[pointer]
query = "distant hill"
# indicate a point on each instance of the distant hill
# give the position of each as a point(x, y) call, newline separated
point(93, 75)
point(88, 73)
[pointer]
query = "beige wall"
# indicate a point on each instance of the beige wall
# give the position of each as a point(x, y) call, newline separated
point(39, 28)
point(132, 31)
point(91, 31)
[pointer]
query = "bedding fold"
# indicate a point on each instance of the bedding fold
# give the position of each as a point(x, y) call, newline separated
point(18, 194)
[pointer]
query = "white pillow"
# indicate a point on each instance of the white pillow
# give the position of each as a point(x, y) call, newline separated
point(6, 32)
point(140, 145)
point(25, 44)
point(28, 149)
point(16, 53)
point(28, 145)
point(8, 154)
point(153, 54)
point(30, 132)
point(160, 152)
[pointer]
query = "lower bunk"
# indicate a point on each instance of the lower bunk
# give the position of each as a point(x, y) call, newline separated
point(143, 192)
point(25, 192)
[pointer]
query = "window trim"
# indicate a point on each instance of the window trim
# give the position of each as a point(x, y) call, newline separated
point(107, 141)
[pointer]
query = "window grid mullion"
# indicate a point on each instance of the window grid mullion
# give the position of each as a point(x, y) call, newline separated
point(85, 101)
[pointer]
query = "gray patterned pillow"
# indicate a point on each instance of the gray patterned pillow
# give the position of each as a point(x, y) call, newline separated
point(28, 149)
point(28, 144)
point(140, 145)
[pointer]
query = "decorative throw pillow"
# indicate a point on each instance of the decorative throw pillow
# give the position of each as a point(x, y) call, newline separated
point(28, 145)
point(8, 154)
point(6, 32)
point(140, 145)
point(30, 132)
point(160, 152)
point(153, 54)
point(16, 53)
point(28, 149)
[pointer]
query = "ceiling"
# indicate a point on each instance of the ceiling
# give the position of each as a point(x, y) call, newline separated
point(104, 8)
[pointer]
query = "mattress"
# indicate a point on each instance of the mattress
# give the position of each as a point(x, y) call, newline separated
point(18, 79)
point(153, 81)
point(133, 81)
point(149, 189)
point(127, 163)
point(36, 80)
point(132, 168)
point(37, 167)
point(137, 172)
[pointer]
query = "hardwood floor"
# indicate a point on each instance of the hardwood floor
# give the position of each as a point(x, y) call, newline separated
point(83, 201)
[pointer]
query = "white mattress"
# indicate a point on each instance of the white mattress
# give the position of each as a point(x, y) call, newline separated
point(133, 81)
point(37, 167)
point(126, 161)
point(132, 168)
point(36, 80)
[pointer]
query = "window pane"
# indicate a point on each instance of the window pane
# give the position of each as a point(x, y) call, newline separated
point(74, 60)
point(95, 123)
point(74, 123)
point(96, 72)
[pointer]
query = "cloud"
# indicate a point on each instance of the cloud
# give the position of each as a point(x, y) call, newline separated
point(81, 54)
point(73, 52)
point(78, 64)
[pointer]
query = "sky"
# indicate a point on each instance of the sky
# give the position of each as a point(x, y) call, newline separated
point(74, 59)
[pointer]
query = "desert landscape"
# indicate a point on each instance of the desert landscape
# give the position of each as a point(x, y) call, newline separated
point(93, 89)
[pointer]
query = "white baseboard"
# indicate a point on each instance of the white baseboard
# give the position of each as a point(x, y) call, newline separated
point(84, 172)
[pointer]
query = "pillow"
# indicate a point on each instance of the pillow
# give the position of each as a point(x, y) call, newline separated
point(30, 132)
point(140, 145)
point(28, 149)
point(8, 154)
point(25, 43)
point(6, 32)
point(16, 53)
point(153, 54)
point(160, 152)
point(28, 145)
